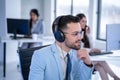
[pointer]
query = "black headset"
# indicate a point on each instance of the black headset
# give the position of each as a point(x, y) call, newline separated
point(59, 35)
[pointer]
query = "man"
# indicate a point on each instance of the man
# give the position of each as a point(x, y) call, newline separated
point(60, 60)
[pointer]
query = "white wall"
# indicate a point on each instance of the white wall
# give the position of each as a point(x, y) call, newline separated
point(48, 16)
point(2, 27)
point(2, 19)
point(13, 8)
point(21, 8)
point(1, 53)
point(27, 5)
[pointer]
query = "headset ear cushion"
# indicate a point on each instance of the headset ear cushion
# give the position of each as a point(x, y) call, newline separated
point(59, 36)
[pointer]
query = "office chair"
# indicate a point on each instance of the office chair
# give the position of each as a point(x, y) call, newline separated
point(25, 56)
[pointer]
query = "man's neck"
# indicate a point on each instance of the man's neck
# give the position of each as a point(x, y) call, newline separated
point(62, 46)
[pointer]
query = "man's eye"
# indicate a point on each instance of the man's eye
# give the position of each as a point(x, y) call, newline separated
point(75, 34)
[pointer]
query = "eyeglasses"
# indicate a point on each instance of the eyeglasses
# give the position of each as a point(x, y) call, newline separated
point(75, 34)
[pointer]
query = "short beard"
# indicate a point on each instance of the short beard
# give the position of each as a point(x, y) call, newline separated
point(73, 46)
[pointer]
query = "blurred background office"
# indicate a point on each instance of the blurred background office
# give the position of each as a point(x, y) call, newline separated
point(98, 13)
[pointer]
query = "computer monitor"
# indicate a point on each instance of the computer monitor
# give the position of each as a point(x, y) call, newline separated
point(112, 37)
point(18, 26)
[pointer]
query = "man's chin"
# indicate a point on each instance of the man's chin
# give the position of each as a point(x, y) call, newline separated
point(77, 47)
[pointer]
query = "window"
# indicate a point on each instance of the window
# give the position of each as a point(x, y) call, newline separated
point(110, 13)
point(73, 7)
point(63, 7)
point(80, 6)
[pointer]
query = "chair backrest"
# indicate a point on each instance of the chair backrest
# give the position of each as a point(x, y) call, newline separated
point(25, 56)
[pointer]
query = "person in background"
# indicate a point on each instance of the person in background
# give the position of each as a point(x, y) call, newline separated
point(60, 61)
point(36, 25)
point(101, 66)
point(36, 28)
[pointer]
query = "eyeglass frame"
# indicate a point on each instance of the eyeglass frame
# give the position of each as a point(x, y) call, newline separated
point(75, 34)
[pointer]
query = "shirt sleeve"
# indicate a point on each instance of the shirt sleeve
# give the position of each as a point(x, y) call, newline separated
point(85, 72)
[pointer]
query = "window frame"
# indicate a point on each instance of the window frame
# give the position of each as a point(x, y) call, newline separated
point(99, 10)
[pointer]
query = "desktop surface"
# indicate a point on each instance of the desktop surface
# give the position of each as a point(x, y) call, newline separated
point(20, 37)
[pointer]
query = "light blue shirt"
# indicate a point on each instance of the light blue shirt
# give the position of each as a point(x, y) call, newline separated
point(37, 28)
point(46, 65)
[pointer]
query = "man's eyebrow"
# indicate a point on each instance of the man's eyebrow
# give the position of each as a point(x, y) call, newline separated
point(76, 31)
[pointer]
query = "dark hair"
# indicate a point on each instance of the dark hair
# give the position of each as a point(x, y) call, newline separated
point(85, 39)
point(61, 22)
point(35, 11)
point(80, 15)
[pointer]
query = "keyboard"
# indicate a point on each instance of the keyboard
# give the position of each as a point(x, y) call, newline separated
point(101, 53)
point(21, 37)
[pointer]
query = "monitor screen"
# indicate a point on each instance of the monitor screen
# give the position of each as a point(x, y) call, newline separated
point(112, 37)
point(18, 26)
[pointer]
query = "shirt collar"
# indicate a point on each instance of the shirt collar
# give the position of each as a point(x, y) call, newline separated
point(36, 22)
point(62, 52)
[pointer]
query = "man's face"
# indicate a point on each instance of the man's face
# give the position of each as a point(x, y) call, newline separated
point(73, 36)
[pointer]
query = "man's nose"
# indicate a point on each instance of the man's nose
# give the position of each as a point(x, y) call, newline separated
point(80, 37)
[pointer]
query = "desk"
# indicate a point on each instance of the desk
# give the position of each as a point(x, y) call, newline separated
point(109, 57)
point(45, 40)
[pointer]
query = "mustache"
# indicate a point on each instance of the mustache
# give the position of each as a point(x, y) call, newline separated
point(78, 41)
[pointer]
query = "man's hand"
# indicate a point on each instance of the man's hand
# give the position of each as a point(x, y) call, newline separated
point(84, 55)
point(95, 50)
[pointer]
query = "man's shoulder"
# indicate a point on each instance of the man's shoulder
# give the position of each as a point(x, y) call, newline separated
point(44, 50)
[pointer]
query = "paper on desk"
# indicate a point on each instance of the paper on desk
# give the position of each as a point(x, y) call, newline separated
point(116, 53)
